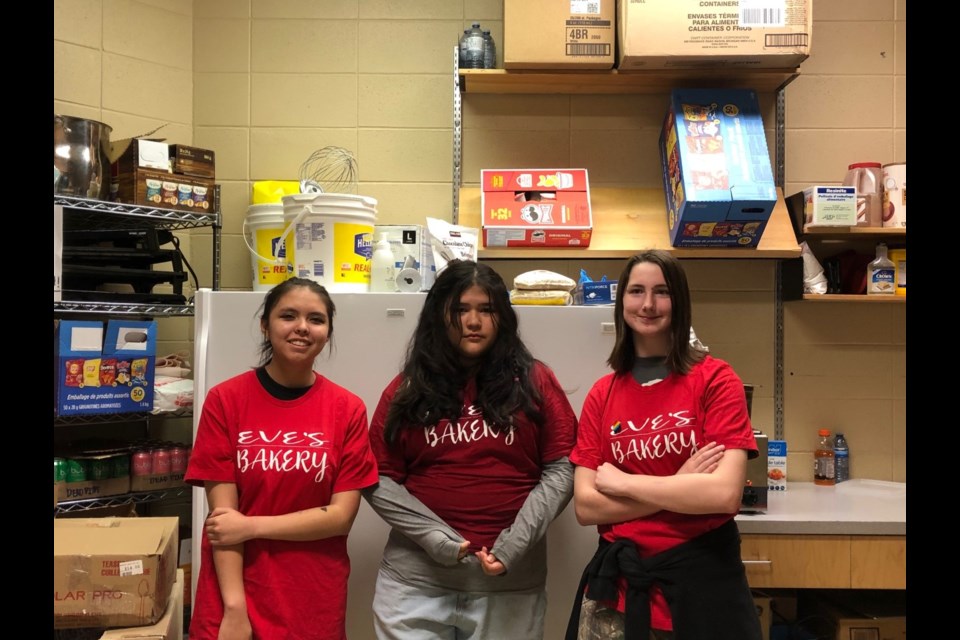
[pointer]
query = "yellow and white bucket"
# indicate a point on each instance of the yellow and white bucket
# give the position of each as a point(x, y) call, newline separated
point(262, 229)
point(329, 239)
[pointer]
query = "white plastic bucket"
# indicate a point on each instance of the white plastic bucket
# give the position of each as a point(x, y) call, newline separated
point(262, 229)
point(329, 239)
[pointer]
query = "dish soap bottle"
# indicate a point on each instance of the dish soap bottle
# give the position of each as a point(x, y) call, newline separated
point(880, 280)
point(824, 473)
point(383, 276)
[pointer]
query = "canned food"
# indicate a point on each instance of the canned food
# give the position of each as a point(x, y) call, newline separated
point(161, 461)
point(141, 463)
point(100, 469)
point(178, 459)
point(76, 470)
point(121, 466)
point(59, 470)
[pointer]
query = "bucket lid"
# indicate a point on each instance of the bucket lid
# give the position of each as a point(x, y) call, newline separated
point(265, 207)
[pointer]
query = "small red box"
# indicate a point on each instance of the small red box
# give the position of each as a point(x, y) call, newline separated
point(535, 208)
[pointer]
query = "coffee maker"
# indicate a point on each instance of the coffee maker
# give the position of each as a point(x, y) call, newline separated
point(754, 499)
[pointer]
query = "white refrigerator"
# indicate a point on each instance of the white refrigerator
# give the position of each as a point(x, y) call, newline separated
point(371, 333)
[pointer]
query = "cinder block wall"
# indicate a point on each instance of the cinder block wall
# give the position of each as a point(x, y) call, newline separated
point(264, 83)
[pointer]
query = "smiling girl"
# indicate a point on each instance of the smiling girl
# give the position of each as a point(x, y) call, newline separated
point(282, 453)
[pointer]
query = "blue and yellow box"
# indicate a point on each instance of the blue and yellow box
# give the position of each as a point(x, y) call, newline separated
point(105, 371)
point(717, 176)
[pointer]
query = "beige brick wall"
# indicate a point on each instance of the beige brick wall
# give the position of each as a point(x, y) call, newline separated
point(266, 82)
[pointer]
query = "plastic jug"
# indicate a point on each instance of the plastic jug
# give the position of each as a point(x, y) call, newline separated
point(867, 177)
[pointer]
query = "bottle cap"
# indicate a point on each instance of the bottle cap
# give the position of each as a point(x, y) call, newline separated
point(824, 432)
point(864, 165)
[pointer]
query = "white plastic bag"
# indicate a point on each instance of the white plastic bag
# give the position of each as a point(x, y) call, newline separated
point(451, 242)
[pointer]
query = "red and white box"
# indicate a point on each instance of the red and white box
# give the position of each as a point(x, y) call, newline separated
point(535, 208)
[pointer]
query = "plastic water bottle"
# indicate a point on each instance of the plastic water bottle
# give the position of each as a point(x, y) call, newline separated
point(824, 471)
point(841, 458)
point(471, 48)
point(489, 51)
point(383, 271)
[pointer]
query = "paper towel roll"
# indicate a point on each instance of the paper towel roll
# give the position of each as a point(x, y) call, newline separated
point(409, 280)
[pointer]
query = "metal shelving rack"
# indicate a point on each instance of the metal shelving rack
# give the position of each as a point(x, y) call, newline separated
point(110, 216)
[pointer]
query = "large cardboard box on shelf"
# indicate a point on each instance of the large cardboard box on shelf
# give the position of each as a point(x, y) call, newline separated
point(112, 572)
point(104, 371)
point(717, 176)
point(169, 627)
point(552, 34)
point(691, 34)
point(535, 208)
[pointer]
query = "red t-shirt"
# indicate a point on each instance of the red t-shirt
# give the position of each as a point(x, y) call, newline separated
point(652, 430)
point(284, 456)
point(472, 474)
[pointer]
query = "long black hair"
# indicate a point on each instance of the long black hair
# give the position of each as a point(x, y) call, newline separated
point(682, 355)
point(273, 297)
point(433, 374)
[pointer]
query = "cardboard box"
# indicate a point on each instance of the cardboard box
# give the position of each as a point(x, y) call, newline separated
point(193, 161)
point(777, 465)
point(112, 572)
point(559, 34)
point(155, 188)
point(410, 242)
point(691, 34)
point(156, 481)
point(825, 206)
point(90, 489)
point(603, 292)
point(139, 153)
point(856, 614)
point(536, 208)
point(169, 627)
point(716, 169)
point(97, 375)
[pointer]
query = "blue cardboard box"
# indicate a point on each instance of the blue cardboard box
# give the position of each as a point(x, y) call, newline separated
point(717, 176)
point(105, 370)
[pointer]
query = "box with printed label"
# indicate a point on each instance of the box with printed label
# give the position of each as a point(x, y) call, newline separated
point(777, 465)
point(535, 208)
point(733, 34)
point(193, 161)
point(564, 34)
point(101, 372)
point(603, 292)
point(825, 206)
point(717, 176)
point(112, 572)
point(410, 242)
point(168, 627)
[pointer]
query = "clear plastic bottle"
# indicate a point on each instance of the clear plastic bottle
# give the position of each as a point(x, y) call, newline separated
point(489, 51)
point(383, 270)
point(824, 472)
point(880, 274)
point(471, 48)
point(841, 458)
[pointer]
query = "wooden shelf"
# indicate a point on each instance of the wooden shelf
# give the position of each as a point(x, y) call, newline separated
point(592, 82)
point(848, 233)
point(628, 220)
point(836, 297)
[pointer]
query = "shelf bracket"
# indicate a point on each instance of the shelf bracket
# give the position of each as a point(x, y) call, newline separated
point(457, 137)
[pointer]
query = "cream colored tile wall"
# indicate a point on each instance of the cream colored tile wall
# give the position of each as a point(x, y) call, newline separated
point(274, 80)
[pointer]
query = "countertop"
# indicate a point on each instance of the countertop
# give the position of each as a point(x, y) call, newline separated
point(855, 507)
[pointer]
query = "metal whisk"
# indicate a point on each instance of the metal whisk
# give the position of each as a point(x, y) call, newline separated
point(329, 170)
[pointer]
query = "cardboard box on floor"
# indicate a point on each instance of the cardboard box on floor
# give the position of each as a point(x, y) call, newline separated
point(169, 627)
point(852, 615)
point(112, 572)
point(692, 34)
point(556, 34)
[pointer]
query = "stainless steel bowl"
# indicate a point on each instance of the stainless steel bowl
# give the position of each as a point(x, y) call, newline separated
point(81, 167)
